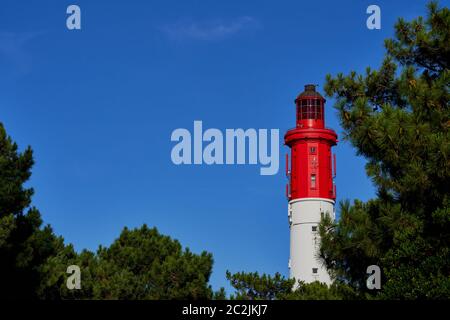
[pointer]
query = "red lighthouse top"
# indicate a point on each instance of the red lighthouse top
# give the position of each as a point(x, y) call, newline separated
point(312, 166)
point(310, 108)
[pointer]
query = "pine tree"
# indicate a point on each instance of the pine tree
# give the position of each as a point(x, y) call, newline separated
point(143, 264)
point(24, 244)
point(252, 286)
point(398, 118)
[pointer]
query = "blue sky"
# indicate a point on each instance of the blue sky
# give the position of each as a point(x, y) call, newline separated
point(98, 106)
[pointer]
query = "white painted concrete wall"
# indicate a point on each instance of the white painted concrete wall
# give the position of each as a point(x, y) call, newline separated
point(303, 215)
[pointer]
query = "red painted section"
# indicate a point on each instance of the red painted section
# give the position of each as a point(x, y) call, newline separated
point(311, 167)
point(310, 112)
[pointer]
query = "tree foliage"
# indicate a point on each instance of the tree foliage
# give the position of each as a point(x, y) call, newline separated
point(252, 286)
point(141, 264)
point(152, 266)
point(397, 117)
point(24, 245)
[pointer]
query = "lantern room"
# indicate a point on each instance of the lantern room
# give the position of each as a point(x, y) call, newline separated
point(310, 112)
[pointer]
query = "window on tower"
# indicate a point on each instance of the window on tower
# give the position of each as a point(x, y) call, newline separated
point(315, 270)
point(313, 181)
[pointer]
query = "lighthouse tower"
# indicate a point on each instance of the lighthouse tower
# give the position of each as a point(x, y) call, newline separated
point(311, 191)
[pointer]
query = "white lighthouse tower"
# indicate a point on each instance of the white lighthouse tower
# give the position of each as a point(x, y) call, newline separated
point(311, 190)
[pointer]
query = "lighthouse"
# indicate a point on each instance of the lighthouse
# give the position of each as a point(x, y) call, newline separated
point(310, 191)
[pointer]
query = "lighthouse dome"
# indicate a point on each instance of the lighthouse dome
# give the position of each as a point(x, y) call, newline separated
point(310, 92)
